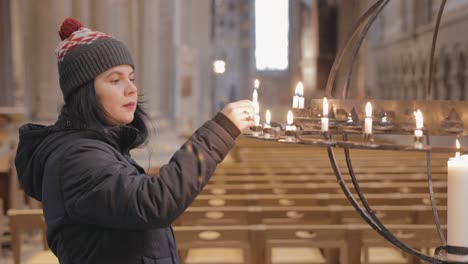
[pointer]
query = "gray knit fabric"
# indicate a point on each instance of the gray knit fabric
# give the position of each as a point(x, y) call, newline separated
point(85, 62)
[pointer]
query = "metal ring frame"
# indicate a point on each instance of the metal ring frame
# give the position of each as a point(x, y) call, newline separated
point(363, 25)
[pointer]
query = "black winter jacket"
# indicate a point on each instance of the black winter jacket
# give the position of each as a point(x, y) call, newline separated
point(99, 205)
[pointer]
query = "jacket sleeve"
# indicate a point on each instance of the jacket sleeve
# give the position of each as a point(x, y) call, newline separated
point(100, 189)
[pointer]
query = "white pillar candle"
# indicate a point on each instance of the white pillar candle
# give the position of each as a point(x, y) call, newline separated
point(324, 124)
point(257, 114)
point(368, 120)
point(300, 104)
point(290, 126)
point(418, 132)
point(457, 204)
point(267, 119)
point(325, 115)
point(255, 93)
point(295, 103)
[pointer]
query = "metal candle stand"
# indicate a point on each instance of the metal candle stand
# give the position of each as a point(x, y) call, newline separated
point(394, 118)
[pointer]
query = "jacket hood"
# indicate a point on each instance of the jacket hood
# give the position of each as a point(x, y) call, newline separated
point(29, 162)
point(37, 142)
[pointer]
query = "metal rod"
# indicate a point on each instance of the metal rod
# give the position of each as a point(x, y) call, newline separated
point(384, 233)
point(357, 47)
point(337, 62)
point(432, 196)
point(434, 42)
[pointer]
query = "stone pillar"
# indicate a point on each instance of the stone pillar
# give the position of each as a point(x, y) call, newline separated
point(149, 67)
point(166, 51)
point(42, 39)
point(6, 70)
point(177, 48)
point(18, 64)
point(81, 10)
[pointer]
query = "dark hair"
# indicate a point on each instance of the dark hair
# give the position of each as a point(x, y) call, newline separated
point(83, 106)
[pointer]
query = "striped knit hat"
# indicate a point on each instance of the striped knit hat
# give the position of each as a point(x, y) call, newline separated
point(84, 53)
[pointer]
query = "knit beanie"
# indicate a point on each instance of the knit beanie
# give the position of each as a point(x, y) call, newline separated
point(84, 53)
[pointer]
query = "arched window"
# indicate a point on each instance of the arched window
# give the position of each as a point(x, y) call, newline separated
point(271, 35)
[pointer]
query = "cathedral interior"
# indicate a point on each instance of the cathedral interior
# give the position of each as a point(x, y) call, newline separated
point(267, 202)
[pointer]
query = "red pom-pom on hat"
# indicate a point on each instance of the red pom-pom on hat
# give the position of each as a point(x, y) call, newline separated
point(69, 26)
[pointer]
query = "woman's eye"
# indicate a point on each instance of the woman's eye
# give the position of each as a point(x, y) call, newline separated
point(132, 79)
point(116, 81)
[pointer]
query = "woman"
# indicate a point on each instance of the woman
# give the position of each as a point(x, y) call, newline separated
point(99, 205)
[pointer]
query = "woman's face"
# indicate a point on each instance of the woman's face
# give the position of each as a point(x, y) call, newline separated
point(117, 94)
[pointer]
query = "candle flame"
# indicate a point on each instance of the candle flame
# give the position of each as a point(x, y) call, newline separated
point(256, 84)
point(384, 118)
point(457, 145)
point(419, 119)
point(256, 108)
point(290, 117)
point(299, 89)
point(268, 116)
point(325, 107)
point(368, 109)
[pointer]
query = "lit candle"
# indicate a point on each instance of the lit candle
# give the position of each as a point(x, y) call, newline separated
point(368, 120)
point(289, 119)
point(418, 132)
point(325, 115)
point(384, 119)
point(267, 127)
point(419, 124)
point(255, 93)
point(300, 89)
point(255, 96)
point(457, 203)
point(257, 114)
point(267, 119)
point(256, 84)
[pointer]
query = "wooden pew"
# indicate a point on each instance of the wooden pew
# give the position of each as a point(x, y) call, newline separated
point(264, 239)
point(28, 220)
point(314, 199)
point(249, 215)
point(205, 244)
point(312, 187)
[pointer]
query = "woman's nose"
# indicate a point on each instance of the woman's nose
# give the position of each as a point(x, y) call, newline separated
point(131, 88)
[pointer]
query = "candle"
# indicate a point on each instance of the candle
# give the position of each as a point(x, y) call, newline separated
point(457, 203)
point(325, 115)
point(255, 93)
point(257, 114)
point(368, 120)
point(267, 127)
point(256, 84)
point(418, 132)
point(289, 119)
point(267, 119)
point(298, 99)
point(300, 89)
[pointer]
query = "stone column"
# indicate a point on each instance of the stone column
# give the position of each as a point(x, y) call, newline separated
point(6, 71)
point(18, 63)
point(166, 51)
point(177, 48)
point(41, 41)
point(81, 10)
point(149, 67)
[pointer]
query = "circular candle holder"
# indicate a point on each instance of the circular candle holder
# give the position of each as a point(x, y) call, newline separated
point(402, 125)
point(256, 131)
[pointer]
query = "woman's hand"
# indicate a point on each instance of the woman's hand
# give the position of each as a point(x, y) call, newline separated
point(241, 113)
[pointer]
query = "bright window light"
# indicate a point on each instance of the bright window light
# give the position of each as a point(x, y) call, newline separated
point(271, 35)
